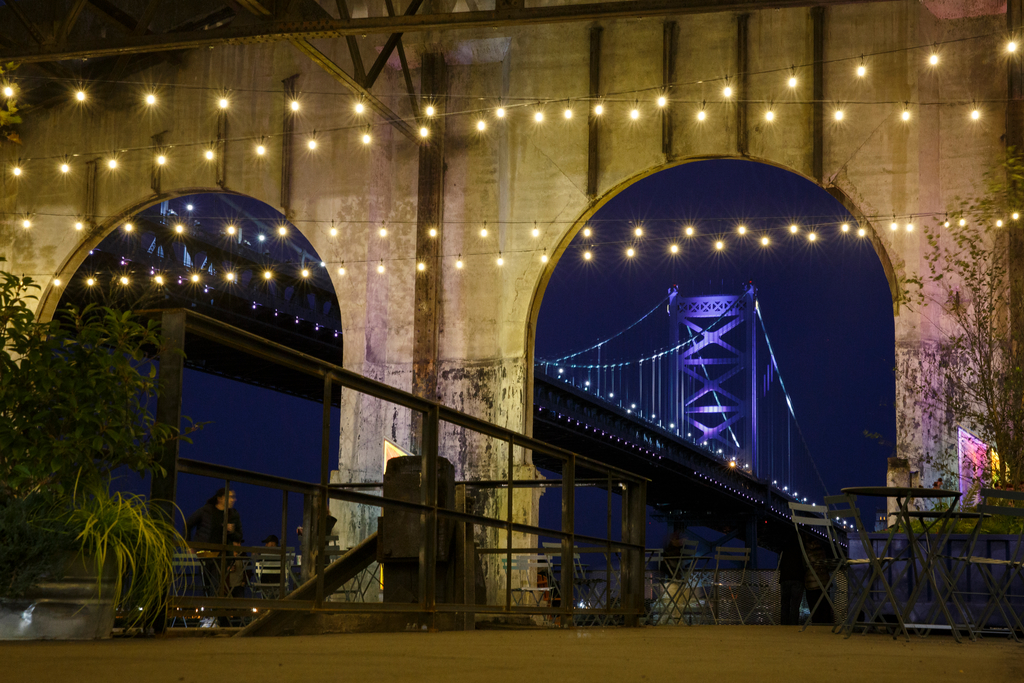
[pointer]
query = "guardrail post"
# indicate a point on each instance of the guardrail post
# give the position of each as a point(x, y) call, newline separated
point(634, 508)
point(428, 519)
point(168, 405)
point(465, 562)
point(320, 557)
point(568, 544)
point(510, 478)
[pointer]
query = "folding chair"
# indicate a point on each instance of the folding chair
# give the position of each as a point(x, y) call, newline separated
point(835, 561)
point(730, 589)
point(1008, 505)
point(529, 591)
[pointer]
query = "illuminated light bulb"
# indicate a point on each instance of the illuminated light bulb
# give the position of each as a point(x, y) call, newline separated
point(792, 81)
point(128, 227)
point(267, 275)
point(732, 463)
point(112, 163)
point(933, 60)
point(975, 114)
point(383, 232)
point(500, 112)
point(56, 282)
point(727, 91)
point(500, 261)
point(179, 228)
point(261, 237)
point(26, 223)
point(662, 101)
point(963, 222)
point(195, 278)
point(222, 103)
point(421, 266)
point(1015, 215)
point(812, 236)
point(906, 115)
point(742, 230)
point(334, 232)
point(341, 270)
point(630, 252)
point(701, 115)
point(689, 231)
point(366, 138)
point(483, 232)
point(16, 170)
point(946, 224)
point(481, 125)
point(282, 231)
point(430, 110)
point(586, 255)
point(209, 154)
point(189, 207)
point(769, 115)
point(90, 281)
point(764, 241)
point(123, 280)
point(544, 257)
point(161, 160)
point(79, 225)
point(231, 230)
point(910, 227)
point(424, 132)
point(432, 232)
point(360, 108)
point(261, 150)
point(312, 144)
point(999, 223)
point(8, 91)
point(230, 277)
point(639, 232)
point(719, 245)
point(861, 232)
point(150, 99)
point(674, 249)
point(894, 226)
point(1011, 46)
point(64, 168)
point(567, 113)
point(598, 109)
point(536, 232)
point(538, 117)
point(295, 105)
point(862, 70)
point(839, 114)
point(634, 114)
point(304, 272)
point(80, 96)
point(845, 227)
point(793, 229)
point(458, 263)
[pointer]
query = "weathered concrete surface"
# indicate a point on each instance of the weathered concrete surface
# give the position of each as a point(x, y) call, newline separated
point(518, 174)
point(722, 653)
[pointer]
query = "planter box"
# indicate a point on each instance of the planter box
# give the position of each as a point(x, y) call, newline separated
point(971, 585)
point(74, 608)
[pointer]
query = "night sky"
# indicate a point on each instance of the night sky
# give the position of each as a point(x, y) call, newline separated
point(825, 305)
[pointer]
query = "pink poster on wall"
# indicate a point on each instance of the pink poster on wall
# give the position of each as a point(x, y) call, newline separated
point(972, 454)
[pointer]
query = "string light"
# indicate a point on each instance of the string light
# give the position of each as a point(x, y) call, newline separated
point(112, 163)
point(179, 228)
point(56, 282)
point(689, 231)
point(311, 144)
point(80, 96)
point(861, 232)
point(538, 116)
point(630, 252)
point(230, 277)
point(1015, 215)
point(8, 91)
point(231, 230)
point(975, 114)
point(128, 227)
point(64, 168)
point(839, 114)
point(544, 256)
point(701, 115)
point(792, 81)
point(267, 275)
point(501, 261)
point(894, 226)
point(16, 170)
point(727, 91)
point(90, 281)
point(500, 112)
point(195, 277)
point(333, 232)
point(634, 113)
point(638, 231)
point(421, 266)
point(432, 232)
point(26, 223)
point(586, 232)
point(764, 241)
point(862, 71)
point(380, 267)
point(151, 99)
point(586, 255)
point(933, 59)
point(161, 160)
point(811, 237)
point(366, 138)
point(662, 101)
point(458, 262)
point(719, 245)
point(360, 108)
point(304, 272)
point(906, 114)
point(910, 227)
point(536, 230)
point(341, 268)
point(424, 131)
point(294, 105)
point(673, 248)
point(1011, 46)
point(742, 229)
point(79, 225)
point(430, 110)
point(567, 113)
point(999, 223)
point(481, 125)
point(963, 222)
point(793, 229)
point(209, 154)
point(282, 231)
point(598, 109)
point(845, 227)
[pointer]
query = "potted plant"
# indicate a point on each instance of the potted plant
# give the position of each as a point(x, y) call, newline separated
point(74, 408)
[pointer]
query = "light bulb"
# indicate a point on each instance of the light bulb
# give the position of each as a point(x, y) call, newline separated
point(195, 278)
point(845, 227)
point(742, 230)
point(64, 168)
point(861, 232)
point(222, 103)
point(161, 160)
point(536, 232)
point(764, 241)
point(500, 112)
point(295, 105)
point(999, 223)
point(598, 109)
point(383, 232)
point(282, 231)
point(424, 132)
point(567, 113)
point(719, 245)
point(501, 261)
point(481, 125)
point(963, 222)
point(231, 230)
point(304, 272)
point(90, 282)
point(150, 99)
point(792, 81)
point(80, 96)
point(674, 249)
point(8, 91)
point(544, 258)
point(910, 226)
point(793, 229)
point(128, 227)
point(975, 114)
point(894, 226)
point(158, 279)
point(538, 117)
point(366, 138)
point(261, 237)
point(839, 114)
point(209, 154)
point(662, 101)
point(432, 232)
point(26, 223)
point(360, 108)
point(421, 266)
point(16, 170)
point(179, 228)
point(586, 255)
point(586, 232)
point(769, 115)
point(312, 144)
point(812, 236)
point(630, 252)
point(483, 232)
point(639, 232)
point(906, 114)
point(112, 163)
point(1015, 215)
point(634, 114)
point(862, 70)
point(933, 60)
point(689, 231)
point(430, 110)
point(341, 270)
point(701, 115)
point(727, 91)
point(79, 225)
point(458, 263)
point(267, 275)
point(334, 232)
point(1011, 46)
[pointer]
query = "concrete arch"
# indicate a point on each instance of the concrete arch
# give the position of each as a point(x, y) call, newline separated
point(598, 202)
point(96, 233)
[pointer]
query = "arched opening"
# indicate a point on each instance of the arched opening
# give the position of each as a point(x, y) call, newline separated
point(235, 259)
point(824, 294)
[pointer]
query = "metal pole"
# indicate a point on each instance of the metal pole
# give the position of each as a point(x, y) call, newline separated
point(428, 519)
point(568, 544)
point(325, 479)
point(508, 535)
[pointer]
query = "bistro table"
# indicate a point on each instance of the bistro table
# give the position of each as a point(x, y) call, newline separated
point(919, 549)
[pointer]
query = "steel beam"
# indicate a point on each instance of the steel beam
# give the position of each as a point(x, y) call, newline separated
point(272, 30)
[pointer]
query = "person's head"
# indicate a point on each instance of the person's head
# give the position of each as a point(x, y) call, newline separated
point(271, 541)
point(219, 499)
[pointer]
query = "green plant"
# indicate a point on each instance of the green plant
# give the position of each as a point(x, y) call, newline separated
point(8, 110)
point(35, 542)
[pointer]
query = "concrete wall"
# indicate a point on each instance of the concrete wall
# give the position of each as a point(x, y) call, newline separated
point(518, 173)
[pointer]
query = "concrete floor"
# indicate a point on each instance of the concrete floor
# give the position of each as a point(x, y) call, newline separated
point(723, 653)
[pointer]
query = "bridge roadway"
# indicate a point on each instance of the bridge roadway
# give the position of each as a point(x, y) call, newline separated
point(687, 482)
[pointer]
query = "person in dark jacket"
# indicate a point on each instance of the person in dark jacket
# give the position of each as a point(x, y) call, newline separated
point(208, 523)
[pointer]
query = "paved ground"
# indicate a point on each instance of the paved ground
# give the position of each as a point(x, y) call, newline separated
point(657, 655)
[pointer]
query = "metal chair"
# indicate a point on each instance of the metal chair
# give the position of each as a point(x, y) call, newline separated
point(723, 590)
point(677, 583)
point(836, 562)
point(1008, 505)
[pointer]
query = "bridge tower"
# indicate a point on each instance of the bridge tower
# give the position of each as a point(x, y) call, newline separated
point(714, 379)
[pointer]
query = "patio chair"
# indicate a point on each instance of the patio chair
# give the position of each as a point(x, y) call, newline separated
point(825, 570)
point(677, 583)
point(724, 590)
point(1008, 505)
